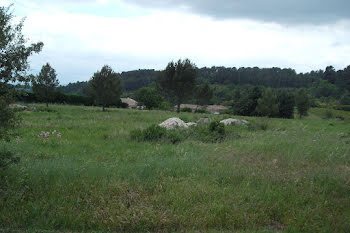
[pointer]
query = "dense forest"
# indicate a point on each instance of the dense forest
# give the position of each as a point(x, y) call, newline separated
point(324, 84)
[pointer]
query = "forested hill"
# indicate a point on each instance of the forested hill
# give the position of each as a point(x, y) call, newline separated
point(268, 77)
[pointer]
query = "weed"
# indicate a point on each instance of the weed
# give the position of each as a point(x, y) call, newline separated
point(186, 109)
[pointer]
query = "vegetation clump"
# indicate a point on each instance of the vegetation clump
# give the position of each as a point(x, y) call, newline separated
point(211, 133)
point(186, 109)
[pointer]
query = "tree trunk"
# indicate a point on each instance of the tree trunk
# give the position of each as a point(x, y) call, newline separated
point(103, 108)
point(47, 104)
point(178, 107)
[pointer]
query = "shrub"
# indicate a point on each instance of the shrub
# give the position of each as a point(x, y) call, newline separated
point(152, 133)
point(217, 127)
point(214, 132)
point(165, 106)
point(329, 114)
point(199, 110)
point(186, 109)
point(174, 136)
point(6, 159)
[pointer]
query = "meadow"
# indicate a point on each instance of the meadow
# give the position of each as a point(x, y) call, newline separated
point(293, 175)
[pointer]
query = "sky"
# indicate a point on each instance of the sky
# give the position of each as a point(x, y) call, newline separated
point(80, 36)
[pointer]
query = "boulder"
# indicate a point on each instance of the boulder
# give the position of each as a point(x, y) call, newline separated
point(231, 121)
point(189, 124)
point(204, 121)
point(173, 123)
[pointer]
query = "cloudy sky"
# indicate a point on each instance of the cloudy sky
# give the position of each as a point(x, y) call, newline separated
point(80, 36)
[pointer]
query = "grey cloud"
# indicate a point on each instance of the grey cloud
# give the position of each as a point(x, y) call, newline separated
point(282, 11)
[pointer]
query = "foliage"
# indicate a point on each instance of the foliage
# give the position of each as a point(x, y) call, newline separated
point(165, 105)
point(267, 104)
point(204, 93)
point(302, 102)
point(286, 104)
point(177, 81)
point(148, 97)
point(329, 114)
point(199, 110)
point(14, 52)
point(186, 109)
point(8, 118)
point(105, 87)
point(152, 133)
point(77, 88)
point(345, 100)
point(14, 56)
point(217, 127)
point(45, 83)
point(136, 79)
point(246, 105)
point(6, 159)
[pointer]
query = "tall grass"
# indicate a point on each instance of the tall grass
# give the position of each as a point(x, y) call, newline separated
point(290, 176)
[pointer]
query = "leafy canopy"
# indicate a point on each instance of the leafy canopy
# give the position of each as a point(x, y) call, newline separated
point(105, 87)
point(45, 83)
point(14, 54)
point(178, 81)
point(302, 102)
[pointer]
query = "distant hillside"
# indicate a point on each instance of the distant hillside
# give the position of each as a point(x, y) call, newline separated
point(132, 80)
point(327, 83)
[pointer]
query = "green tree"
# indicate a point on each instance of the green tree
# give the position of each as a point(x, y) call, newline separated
point(105, 87)
point(302, 101)
point(286, 104)
point(177, 81)
point(204, 94)
point(45, 84)
point(246, 105)
point(14, 54)
point(149, 97)
point(267, 104)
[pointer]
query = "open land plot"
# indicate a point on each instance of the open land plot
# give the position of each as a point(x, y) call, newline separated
point(294, 176)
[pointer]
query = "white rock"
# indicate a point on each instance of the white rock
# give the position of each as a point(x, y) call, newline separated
point(173, 123)
point(189, 124)
point(231, 121)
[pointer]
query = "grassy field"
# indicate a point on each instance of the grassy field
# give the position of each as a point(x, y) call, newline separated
point(292, 177)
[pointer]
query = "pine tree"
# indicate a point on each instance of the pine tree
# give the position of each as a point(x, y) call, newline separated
point(45, 83)
point(302, 101)
point(267, 104)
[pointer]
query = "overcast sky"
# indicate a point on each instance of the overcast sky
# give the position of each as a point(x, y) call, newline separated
point(80, 36)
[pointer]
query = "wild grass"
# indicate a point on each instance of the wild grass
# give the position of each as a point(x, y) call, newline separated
point(278, 176)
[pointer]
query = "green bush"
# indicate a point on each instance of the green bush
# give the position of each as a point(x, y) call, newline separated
point(175, 136)
point(214, 132)
point(217, 127)
point(199, 110)
point(186, 109)
point(166, 106)
point(6, 159)
point(152, 133)
point(328, 114)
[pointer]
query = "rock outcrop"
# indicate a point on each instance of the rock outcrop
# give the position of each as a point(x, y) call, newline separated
point(231, 121)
